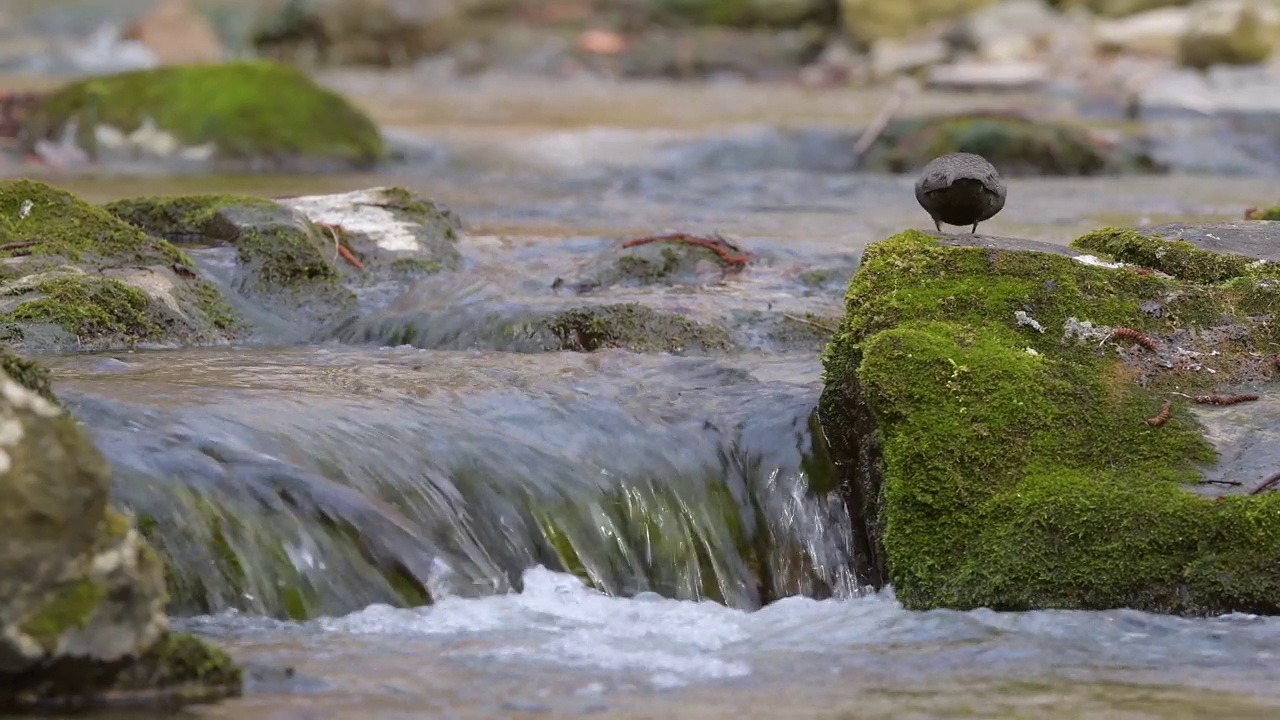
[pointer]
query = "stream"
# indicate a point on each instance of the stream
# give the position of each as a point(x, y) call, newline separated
point(645, 471)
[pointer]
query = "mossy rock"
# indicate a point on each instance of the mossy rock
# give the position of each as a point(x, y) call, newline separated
point(992, 459)
point(1227, 34)
point(676, 259)
point(1271, 213)
point(79, 278)
point(634, 327)
point(866, 21)
point(27, 373)
point(1016, 146)
point(245, 115)
point(284, 262)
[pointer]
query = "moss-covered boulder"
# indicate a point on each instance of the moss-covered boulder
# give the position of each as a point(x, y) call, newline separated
point(27, 373)
point(380, 33)
point(1271, 213)
point(1013, 430)
point(236, 117)
point(82, 595)
point(674, 259)
point(1016, 145)
point(1230, 32)
point(75, 277)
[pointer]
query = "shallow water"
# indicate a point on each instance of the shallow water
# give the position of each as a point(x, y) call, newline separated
point(397, 424)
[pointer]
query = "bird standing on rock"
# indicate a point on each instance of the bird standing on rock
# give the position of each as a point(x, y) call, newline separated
point(960, 189)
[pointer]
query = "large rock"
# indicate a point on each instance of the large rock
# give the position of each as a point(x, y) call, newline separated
point(1229, 32)
point(1015, 427)
point(304, 259)
point(233, 117)
point(76, 278)
point(82, 595)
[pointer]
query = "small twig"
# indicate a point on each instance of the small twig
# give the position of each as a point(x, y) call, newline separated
point(1220, 482)
point(881, 121)
point(1223, 399)
point(1134, 335)
point(339, 250)
point(813, 323)
point(1266, 484)
point(716, 244)
point(19, 244)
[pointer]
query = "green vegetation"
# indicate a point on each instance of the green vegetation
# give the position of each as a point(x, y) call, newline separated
point(1014, 469)
point(634, 327)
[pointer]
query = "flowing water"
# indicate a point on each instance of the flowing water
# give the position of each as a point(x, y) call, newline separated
point(692, 492)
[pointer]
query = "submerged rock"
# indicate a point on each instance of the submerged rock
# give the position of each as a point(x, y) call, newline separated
point(1013, 428)
point(82, 595)
point(300, 258)
point(233, 117)
point(675, 259)
point(77, 278)
point(1015, 145)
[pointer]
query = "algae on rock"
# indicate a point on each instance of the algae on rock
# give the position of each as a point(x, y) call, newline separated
point(82, 595)
point(241, 115)
point(992, 462)
point(79, 278)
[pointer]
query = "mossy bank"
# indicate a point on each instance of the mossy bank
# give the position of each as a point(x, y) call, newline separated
point(75, 277)
point(238, 116)
point(992, 430)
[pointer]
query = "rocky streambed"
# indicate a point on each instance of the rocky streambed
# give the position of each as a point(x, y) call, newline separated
point(408, 394)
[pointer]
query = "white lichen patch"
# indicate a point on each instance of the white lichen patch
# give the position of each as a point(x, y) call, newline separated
point(1023, 319)
point(1084, 330)
point(1096, 262)
point(149, 139)
point(10, 431)
point(22, 398)
point(360, 212)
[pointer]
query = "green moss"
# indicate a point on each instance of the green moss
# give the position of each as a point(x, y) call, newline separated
point(182, 218)
point(421, 210)
point(91, 307)
point(245, 109)
point(214, 308)
point(71, 608)
point(1015, 480)
point(284, 256)
point(1175, 257)
point(61, 226)
point(1271, 213)
point(415, 266)
point(635, 327)
point(27, 373)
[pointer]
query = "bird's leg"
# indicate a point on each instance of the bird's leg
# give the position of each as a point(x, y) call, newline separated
point(937, 224)
point(974, 231)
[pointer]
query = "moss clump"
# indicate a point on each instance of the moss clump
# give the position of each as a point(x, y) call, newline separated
point(636, 328)
point(1015, 145)
point(71, 607)
point(985, 475)
point(27, 373)
point(181, 218)
point(60, 226)
point(91, 308)
point(1175, 257)
point(179, 660)
point(246, 110)
point(1271, 213)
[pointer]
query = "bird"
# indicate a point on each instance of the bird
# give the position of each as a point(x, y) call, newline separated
point(960, 189)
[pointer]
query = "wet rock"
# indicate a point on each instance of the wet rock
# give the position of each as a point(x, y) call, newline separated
point(78, 278)
point(177, 34)
point(869, 20)
point(675, 259)
point(301, 258)
point(387, 33)
point(1229, 32)
point(81, 593)
point(411, 320)
point(992, 461)
point(244, 116)
point(27, 373)
point(1015, 145)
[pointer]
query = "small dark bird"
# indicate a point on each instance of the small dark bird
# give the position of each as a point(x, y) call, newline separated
point(960, 189)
